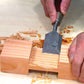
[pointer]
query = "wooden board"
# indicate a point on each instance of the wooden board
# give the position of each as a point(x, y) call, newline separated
point(15, 56)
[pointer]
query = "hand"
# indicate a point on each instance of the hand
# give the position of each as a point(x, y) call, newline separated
point(50, 9)
point(76, 53)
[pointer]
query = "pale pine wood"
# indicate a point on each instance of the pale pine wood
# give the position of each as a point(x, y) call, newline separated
point(15, 56)
point(42, 61)
point(15, 59)
point(65, 71)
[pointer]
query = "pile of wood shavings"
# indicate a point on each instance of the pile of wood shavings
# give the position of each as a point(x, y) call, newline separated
point(67, 30)
point(44, 78)
point(17, 36)
point(36, 43)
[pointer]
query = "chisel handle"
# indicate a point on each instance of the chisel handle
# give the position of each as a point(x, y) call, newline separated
point(59, 15)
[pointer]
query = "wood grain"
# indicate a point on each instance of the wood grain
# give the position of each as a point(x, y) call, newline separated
point(16, 53)
point(65, 69)
point(15, 56)
point(43, 61)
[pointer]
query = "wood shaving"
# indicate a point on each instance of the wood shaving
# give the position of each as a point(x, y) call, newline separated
point(29, 32)
point(32, 35)
point(70, 27)
point(67, 40)
point(38, 43)
point(68, 31)
point(18, 36)
point(39, 35)
point(13, 36)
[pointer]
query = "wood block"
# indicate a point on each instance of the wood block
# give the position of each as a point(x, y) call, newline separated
point(65, 71)
point(43, 61)
point(15, 59)
point(15, 56)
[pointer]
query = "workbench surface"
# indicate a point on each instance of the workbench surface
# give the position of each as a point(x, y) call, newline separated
point(24, 15)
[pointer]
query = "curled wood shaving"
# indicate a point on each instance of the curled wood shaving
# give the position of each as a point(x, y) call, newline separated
point(19, 37)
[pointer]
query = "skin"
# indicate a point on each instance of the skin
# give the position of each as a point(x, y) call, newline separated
point(76, 53)
point(50, 9)
point(76, 50)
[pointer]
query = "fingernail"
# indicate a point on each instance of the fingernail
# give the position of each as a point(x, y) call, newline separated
point(64, 10)
point(53, 19)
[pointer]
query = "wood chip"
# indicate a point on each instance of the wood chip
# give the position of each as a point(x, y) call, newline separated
point(29, 32)
point(32, 35)
point(70, 27)
point(65, 29)
point(13, 37)
point(67, 40)
point(68, 31)
point(39, 35)
point(19, 37)
point(38, 43)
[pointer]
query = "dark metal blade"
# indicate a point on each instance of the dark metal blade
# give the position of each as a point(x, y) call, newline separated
point(52, 43)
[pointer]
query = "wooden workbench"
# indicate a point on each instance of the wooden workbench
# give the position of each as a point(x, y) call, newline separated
point(20, 15)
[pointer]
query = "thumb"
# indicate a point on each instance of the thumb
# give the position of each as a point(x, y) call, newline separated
point(72, 50)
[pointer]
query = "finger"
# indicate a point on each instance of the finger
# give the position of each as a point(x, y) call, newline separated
point(44, 6)
point(72, 50)
point(64, 6)
point(78, 58)
point(81, 79)
point(51, 10)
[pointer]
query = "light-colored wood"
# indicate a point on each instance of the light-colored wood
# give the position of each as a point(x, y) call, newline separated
point(65, 71)
point(15, 59)
point(3, 38)
point(42, 61)
point(15, 56)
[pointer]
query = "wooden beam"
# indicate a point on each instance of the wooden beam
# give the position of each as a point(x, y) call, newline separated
point(15, 56)
point(15, 59)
